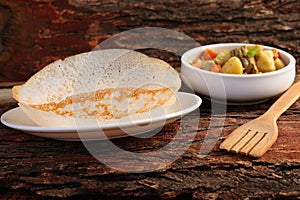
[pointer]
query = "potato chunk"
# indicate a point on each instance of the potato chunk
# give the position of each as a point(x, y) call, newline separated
point(265, 62)
point(222, 57)
point(233, 66)
point(279, 63)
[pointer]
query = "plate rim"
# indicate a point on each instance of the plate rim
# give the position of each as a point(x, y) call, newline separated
point(181, 112)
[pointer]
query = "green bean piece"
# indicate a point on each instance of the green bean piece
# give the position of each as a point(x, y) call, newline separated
point(252, 52)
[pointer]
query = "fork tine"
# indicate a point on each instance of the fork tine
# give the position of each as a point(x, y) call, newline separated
point(232, 139)
point(253, 142)
point(264, 144)
point(248, 137)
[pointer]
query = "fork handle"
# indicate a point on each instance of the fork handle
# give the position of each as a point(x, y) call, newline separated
point(284, 102)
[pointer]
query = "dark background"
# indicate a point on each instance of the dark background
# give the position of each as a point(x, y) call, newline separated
point(34, 33)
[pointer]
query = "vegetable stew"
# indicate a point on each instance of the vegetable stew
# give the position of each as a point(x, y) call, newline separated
point(241, 60)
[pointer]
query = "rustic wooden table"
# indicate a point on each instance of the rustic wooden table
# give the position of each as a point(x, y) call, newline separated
point(34, 33)
point(34, 167)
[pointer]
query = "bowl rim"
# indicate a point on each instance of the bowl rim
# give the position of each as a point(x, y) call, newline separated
point(291, 65)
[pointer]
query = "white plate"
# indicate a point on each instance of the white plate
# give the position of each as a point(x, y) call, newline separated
point(17, 119)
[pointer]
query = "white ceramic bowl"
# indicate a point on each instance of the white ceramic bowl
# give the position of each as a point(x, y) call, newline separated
point(232, 88)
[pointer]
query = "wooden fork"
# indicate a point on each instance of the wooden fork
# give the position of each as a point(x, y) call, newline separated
point(255, 137)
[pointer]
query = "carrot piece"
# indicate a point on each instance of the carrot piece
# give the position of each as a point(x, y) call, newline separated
point(208, 54)
point(275, 53)
point(216, 68)
point(212, 53)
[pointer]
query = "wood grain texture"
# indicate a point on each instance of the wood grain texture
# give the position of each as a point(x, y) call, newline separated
point(40, 31)
point(33, 167)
